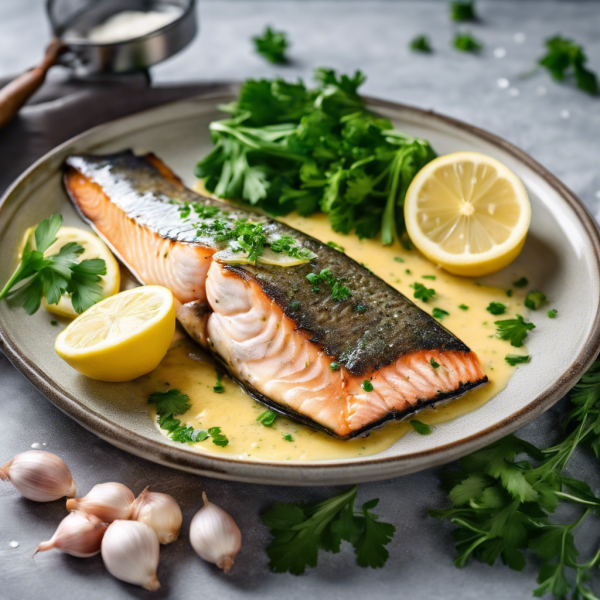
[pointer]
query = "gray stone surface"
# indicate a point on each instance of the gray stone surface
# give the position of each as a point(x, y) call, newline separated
point(371, 36)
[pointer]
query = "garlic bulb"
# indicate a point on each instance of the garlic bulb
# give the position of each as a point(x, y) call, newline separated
point(78, 535)
point(214, 535)
point(130, 551)
point(39, 476)
point(159, 511)
point(107, 501)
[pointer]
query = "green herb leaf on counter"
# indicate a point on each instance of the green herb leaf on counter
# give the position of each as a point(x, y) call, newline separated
point(422, 292)
point(520, 283)
point(465, 42)
point(513, 330)
point(338, 290)
point(496, 308)
point(439, 313)
point(420, 428)
point(502, 504)
point(463, 10)
point(516, 359)
point(534, 300)
point(52, 276)
point(552, 313)
point(564, 57)
point(463, 307)
point(300, 530)
point(288, 147)
point(267, 418)
point(272, 45)
point(421, 44)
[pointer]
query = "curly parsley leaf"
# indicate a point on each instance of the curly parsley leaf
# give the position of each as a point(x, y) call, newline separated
point(564, 57)
point(272, 45)
point(513, 330)
point(300, 530)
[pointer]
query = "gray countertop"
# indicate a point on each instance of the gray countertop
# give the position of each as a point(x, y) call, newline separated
point(556, 124)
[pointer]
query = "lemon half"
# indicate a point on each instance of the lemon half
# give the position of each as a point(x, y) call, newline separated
point(122, 337)
point(94, 247)
point(468, 213)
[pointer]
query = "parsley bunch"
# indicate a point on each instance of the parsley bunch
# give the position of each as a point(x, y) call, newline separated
point(300, 530)
point(502, 504)
point(171, 403)
point(564, 57)
point(287, 147)
point(52, 276)
point(272, 46)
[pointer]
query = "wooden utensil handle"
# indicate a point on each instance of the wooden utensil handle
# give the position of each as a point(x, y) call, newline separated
point(14, 94)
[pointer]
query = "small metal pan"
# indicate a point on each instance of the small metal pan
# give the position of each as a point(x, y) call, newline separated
point(71, 22)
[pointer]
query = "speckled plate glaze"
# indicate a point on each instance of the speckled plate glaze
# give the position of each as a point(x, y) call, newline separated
point(562, 257)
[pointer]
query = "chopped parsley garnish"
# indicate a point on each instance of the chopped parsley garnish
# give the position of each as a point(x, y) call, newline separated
point(360, 308)
point(421, 44)
point(516, 359)
point(267, 418)
point(338, 290)
point(288, 245)
point(408, 272)
point(564, 57)
point(218, 438)
point(54, 323)
point(421, 292)
point(465, 42)
point(512, 501)
point(367, 385)
point(421, 428)
point(334, 366)
point(463, 307)
point(513, 330)
point(439, 313)
point(336, 246)
point(272, 45)
point(172, 403)
point(496, 308)
point(509, 293)
point(290, 147)
point(432, 277)
point(300, 530)
point(552, 313)
point(288, 437)
point(54, 275)
point(434, 364)
point(218, 388)
point(463, 10)
point(398, 259)
point(520, 283)
point(295, 305)
point(534, 300)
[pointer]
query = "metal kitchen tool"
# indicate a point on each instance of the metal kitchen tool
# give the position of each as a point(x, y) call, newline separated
point(73, 20)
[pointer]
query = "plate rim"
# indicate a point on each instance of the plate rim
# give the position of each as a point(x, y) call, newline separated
point(299, 473)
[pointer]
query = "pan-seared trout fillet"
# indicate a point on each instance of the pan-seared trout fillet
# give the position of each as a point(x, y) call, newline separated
point(277, 334)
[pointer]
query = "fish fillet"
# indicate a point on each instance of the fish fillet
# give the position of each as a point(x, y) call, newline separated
point(276, 334)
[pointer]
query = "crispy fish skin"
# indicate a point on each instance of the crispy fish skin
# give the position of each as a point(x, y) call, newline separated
point(276, 335)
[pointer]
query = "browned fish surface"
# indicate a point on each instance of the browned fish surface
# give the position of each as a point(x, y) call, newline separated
point(277, 333)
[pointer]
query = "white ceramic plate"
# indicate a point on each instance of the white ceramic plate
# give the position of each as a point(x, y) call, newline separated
point(562, 257)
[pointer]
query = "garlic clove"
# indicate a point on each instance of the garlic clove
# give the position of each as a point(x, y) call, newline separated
point(159, 511)
point(39, 476)
point(107, 501)
point(130, 551)
point(78, 535)
point(214, 535)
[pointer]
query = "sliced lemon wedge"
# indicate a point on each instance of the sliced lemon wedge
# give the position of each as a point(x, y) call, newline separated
point(468, 213)
point(122, 337)
point(94, 247)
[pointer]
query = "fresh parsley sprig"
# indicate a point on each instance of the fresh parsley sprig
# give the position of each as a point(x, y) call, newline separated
point(272, 45)
point(338, 290)
point(172, 403)
point(300, 530)
point(39, 276)
point(502, 504)
point(513, 330)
